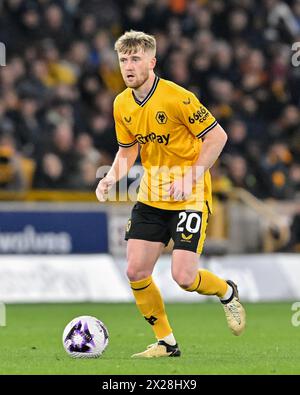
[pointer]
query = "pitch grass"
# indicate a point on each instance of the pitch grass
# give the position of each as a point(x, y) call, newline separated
point(31, 341)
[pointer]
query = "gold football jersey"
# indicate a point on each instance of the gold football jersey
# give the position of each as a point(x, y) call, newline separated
point(168, 125)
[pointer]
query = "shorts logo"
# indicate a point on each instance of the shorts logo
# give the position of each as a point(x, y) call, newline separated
point(128, 120)
point(128, 226)
point(186, 101)
point(186, 238)
point(161, 117)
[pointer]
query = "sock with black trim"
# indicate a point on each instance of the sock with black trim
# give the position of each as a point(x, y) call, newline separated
point(150, 303)
point(207, 283)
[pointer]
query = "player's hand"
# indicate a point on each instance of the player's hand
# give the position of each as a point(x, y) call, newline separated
point(181, 189)
point(103, 188)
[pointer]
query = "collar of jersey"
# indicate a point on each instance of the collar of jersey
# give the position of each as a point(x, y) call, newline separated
point(152, 90)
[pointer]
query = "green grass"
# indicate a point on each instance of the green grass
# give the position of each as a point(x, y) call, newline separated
point(31, 341)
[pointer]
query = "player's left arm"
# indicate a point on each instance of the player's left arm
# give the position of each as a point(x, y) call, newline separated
point(202, 124)
point(212, 146)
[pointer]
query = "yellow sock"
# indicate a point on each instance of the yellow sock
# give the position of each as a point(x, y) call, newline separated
point(149, 302)
point(207, 283)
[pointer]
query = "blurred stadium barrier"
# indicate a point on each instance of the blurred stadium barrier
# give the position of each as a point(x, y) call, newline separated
point(53, 249)
point(52, 229)
point(240, 224)
point(60, 278)
point(101, 278)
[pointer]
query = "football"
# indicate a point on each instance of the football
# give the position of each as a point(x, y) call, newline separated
point(85, 337)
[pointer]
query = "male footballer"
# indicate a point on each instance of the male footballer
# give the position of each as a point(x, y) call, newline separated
point(179, 141)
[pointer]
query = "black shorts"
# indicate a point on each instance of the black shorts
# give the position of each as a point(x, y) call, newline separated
point(186, 228)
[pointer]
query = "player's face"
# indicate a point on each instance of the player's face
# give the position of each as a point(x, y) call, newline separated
point(136, 67)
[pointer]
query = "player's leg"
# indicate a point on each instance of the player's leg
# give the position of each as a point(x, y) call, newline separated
point(187, 275)
point(188, 243)
point(142, 254)
point(141, 257)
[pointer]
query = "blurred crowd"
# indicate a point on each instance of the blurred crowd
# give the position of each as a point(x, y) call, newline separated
point(62, 74)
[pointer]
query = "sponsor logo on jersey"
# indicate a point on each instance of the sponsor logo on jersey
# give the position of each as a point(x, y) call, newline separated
point(153, 138)
point(199, 116)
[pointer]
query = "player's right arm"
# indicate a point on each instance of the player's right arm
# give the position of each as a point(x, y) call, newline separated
point(124, 160)
point(126, 156)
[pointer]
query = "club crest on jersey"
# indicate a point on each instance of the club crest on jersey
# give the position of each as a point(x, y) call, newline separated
point(161, 117)
point(153, 138)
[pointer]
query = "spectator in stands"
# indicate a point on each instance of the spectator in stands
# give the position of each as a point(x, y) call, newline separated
point(63, 146)
point(240, 175)
point(85, 148)
point(238, 137)
point(88, 171)
point(275, 167)
point(12, 176)
point(50, 173)
point(294, 177)
point(28, 127)
point(57, 26)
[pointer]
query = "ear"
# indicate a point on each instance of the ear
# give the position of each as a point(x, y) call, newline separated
point(152, 63)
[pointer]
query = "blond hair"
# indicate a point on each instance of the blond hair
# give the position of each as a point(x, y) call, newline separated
point(132, 41)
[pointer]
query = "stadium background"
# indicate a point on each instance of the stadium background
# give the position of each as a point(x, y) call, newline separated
point(58, 244)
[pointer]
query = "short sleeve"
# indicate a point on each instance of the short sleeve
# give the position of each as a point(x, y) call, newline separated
point(195, 116)
point(124, 137)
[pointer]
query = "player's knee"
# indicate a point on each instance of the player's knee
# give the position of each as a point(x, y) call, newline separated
point(183, 279)
point(135, 274)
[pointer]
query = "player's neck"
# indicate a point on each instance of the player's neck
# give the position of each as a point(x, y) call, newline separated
point(141, 92)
